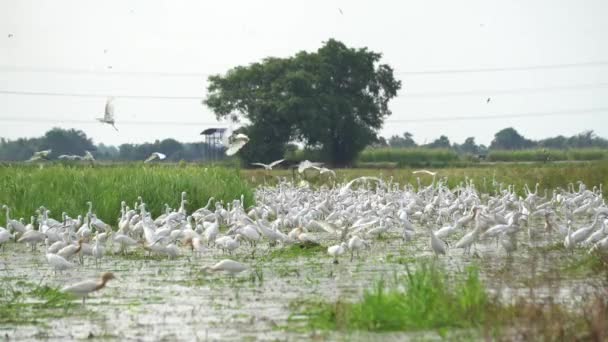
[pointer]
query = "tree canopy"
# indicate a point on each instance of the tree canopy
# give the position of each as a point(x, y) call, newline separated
point(510, 139)
point(334, 99)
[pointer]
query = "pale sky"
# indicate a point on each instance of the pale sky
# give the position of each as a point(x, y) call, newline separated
point(167, 48)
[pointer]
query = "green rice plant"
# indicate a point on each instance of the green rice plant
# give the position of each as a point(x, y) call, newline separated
point(588, 154)
point(67, 188)
point(547, 155)
point(416, 157)
point(25, 303)
point(424, 298)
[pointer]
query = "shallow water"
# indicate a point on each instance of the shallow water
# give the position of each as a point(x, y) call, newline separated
point(158, 298)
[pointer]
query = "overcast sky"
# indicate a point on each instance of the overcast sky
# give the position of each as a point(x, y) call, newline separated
point(437, 48)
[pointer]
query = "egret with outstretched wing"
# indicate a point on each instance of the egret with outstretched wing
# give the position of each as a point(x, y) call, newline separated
point(155, 155)
point(236, 143)
point(269, 166)
point(108, 116)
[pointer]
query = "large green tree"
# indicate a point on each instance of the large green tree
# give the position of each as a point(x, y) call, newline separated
point(510, 139)
point(334, 99)
point(67, 141)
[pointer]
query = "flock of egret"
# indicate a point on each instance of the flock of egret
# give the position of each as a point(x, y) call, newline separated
point(88, 156)
point(346, 218)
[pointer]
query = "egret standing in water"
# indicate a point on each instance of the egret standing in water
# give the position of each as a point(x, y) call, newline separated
point(229, 266)
point(83, 288)
point(337, 250)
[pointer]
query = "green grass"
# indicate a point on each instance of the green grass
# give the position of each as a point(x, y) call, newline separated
point(68, 188)
point(415, 157)
point(422, 299)
point(26, 303)
point(427, 157)
point(541, 155)
point(427, 299)
point(586, 265)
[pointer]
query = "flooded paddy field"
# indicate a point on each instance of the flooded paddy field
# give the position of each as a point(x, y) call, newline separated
point(159, 298)
point(431, 263)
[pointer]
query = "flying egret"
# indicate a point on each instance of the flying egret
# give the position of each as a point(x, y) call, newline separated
point(425, 171)
point(108, 117)
point(269, 167)
point(155, 155)
point(236, 143)
point(40, 155)
point(307, 164)
point(324, 170)
point(69, 157)
point(83, 288)
point(88, 156)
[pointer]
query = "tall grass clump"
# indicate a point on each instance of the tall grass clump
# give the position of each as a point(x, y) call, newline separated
point(588, 154)
point(65, 188)
point(422, 299)
point(415, 157)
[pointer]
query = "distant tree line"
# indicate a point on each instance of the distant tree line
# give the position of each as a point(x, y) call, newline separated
point(505, 139)
point(76, 142)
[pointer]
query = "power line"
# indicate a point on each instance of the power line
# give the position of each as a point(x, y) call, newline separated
point(514, 68)
point(93, 95)
point(109, 72)
point(444, 118)
point(8, 68)
point(502, 116)
point(118, 123)
point(492, 92)
point(489, 92)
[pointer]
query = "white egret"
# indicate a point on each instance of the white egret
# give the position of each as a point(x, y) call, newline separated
point(58, 262)
point(108, 117)
point(154, 156)
point(69, 157)
point(337, 250)
point(88, 156)
point(5, 236)
point(229, 266)
point(84, 288)
point(269, 167)
point(236, 143)
point(324, 170)
point(307, 164)
point(437, 245)
point(40, 155)
point(355, 244)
